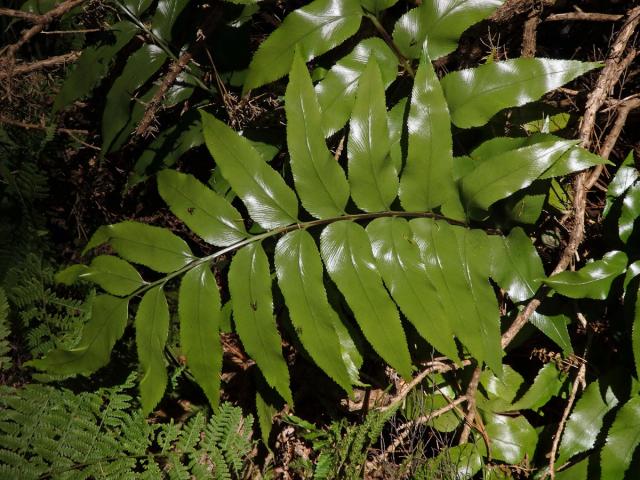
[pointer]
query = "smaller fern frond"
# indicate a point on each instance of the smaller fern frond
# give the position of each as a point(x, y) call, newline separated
point(5, 331)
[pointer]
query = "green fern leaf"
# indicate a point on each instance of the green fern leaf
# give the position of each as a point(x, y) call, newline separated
point(200, 319)
point(427, 180)
point(373, 179)
point(314, 29)
point(93, 65)
point(336, 92)
point(622, 440)
point(205, 212)
point(591, 281)
point(586, 420)
point(346, 251)
point(165, 16)
point(250, 288)
point(152, 328)
point(440, 22)
point(395, 121)
point(153, 247)
point(509, 172)
point(268, 199)
point(114, 275)
point(106, 326)
point(398, 260)
point(299, 271)
point(141, 65)
point(457, 260)
point(516, 265)
point(319, 179)
point(475, 95)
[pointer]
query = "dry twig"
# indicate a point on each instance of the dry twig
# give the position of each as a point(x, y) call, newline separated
point(470, 394)
point(24, 68)
point(580, 380)
point(432, 367)
point(175, 70)
point(529, 40)
point(610, 75)
point(153, 106)
point(39, 25)
point(591, 17)
point(406, 428)
point(72, 132)
point(10, 12)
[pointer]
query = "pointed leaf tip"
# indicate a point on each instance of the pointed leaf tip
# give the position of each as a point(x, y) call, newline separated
point(152, 330)
point(373, 177)
point(319, 179)
point(250, 289)
point(199, 309)
point(314, 29)
point(269, 200)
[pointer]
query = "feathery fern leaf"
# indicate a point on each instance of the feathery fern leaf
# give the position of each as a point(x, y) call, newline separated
point(47, 432)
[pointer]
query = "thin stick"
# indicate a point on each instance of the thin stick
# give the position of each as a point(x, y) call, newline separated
point(608, 78)
point(153, 106)
point(40, 23)
point(471, 405)
point(10, 12)
point(66, 32)
point(406, 428)
point(177, 67)
point(580, 379)
point(406, 63)
point(21, 69)
point(612, 137)
point(591, 17)
point(33, 126)
point(433, 367)
point(529, 37)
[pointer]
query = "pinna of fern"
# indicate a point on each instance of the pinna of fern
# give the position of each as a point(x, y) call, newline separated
point(399, 239)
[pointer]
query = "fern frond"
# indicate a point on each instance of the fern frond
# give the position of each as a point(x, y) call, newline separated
point(5, 331)
point(53, 432)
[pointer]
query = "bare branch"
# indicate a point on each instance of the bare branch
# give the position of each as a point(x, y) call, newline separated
point(591, 17)
point(10, 12)
point(40, 23)
point(609, 76)
point(433, 367)
point(24, 68)
point(471, 405)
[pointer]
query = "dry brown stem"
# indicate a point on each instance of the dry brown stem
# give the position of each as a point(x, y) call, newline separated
point(39, 24)
point(591, 17)
point(579, 380)
point(623, 110)
point(24, 68)
point(153, 106)
point(10, 12)
point(405, 429)
point(470, 416)
point(72, 132)
point(529, 40)
point(514, 8)
point(175, 70)
point(432, 367)
point(609, 76)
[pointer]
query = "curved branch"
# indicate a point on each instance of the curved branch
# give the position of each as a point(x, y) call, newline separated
point(610, 75)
